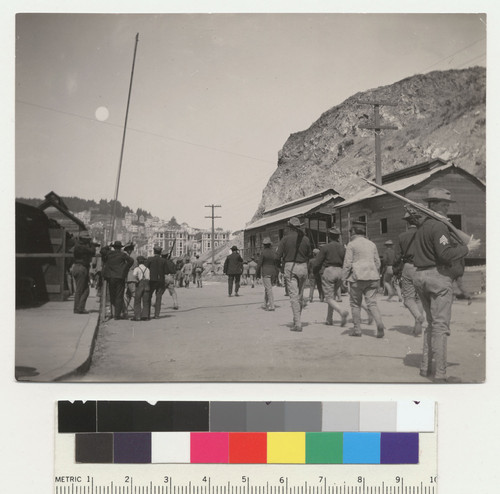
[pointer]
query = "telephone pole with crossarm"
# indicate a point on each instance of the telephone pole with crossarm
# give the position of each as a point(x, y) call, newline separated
point(377, 127)
point(213, 206)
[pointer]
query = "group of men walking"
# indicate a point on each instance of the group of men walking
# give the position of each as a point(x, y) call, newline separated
point(427, 259)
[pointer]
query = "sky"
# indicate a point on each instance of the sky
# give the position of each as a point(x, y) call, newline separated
point(214, 97)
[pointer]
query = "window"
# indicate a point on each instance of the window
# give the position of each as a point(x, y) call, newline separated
point(281, 233)
point(383, 225)
point(208, 245)
point(362, 218)
point(456, 220)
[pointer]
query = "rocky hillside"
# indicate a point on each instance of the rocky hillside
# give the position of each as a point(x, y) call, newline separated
point(439, 114)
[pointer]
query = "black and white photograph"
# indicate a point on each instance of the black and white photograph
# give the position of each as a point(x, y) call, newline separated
point(250, 197)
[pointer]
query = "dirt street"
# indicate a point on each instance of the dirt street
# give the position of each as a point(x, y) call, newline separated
point(215, 338)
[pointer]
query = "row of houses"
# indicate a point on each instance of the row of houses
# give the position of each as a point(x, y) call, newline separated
point(382, 212)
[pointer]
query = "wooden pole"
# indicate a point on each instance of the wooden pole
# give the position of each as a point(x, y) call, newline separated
point(377, 128)
point(113, 216)
point(213, 206)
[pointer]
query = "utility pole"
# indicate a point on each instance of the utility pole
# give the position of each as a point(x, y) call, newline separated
point(377, 128)
point(213, 206)
point(113, 214)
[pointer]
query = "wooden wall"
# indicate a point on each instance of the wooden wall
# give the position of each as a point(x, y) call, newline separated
point(470, 203)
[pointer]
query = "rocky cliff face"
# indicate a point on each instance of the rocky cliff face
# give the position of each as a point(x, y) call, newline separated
point(439, 115)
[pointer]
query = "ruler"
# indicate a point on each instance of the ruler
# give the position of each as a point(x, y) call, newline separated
point(282, 485)
point(75, 478)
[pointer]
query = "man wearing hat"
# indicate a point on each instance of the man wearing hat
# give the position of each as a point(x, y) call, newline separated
point(170, 277)
point(82, 257)
point(198, 271)
point(158, 268)
point(435, 253)
point(252, 270)
point(131, 281)
point(361, 269)
point(233, 267)
point(116, 267)
point(404, 260)
point(267, 270)
point(388, 272)
point(331, 259)
point(314, 278)
point(294, 251)
point(142, 298)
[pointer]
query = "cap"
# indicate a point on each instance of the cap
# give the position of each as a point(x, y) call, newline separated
point(334, 231)
point(85, 234)
point(295, 222)
point(388, 242)
point(315, 251)
point(234, 248)
point(165, 252)
point(266, 241)
point(438, 194)
point(157, 249)
point(141, 259)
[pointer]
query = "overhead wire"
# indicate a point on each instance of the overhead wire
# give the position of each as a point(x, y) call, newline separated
point(204, 146)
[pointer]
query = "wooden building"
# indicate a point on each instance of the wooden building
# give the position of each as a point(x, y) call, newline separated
point(64, 228)
point(314, 210)
point(55, 208)
point(383, 213)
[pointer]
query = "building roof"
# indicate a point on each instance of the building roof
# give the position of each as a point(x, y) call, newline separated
point(53, 200)
point(402, 184)
point(295, 208)
point(411, 171)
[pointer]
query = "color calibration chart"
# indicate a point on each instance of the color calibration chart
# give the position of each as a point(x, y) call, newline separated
point(201, 447)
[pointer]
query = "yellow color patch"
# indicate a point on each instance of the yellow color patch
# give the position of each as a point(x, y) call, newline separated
point(286, 447)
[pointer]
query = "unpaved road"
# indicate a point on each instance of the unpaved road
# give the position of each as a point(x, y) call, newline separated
point(214, 338)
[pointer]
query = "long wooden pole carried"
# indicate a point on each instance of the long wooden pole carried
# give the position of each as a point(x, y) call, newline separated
point(459, 235)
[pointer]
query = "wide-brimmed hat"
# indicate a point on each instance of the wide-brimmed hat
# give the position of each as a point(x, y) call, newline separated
point(266, 241)
point(438, 194)
point(388, 242)
point(295, 222)
point(117, 244)
point(358, 223)
point(234, 248)
point(128, 246)
point(334, 231)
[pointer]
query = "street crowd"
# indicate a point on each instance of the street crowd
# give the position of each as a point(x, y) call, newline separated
point(420, 270)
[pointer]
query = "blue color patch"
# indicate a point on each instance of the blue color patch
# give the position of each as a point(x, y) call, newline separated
point(361, 447)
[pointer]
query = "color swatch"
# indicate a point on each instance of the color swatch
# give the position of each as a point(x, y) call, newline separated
point(204, 416)
point(246, 432)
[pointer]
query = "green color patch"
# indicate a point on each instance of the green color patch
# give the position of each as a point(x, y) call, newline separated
point(324, 447)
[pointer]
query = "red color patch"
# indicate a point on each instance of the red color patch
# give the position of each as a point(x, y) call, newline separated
point(248, 447)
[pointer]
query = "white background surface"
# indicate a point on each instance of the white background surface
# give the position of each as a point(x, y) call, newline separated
point(468, 432)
